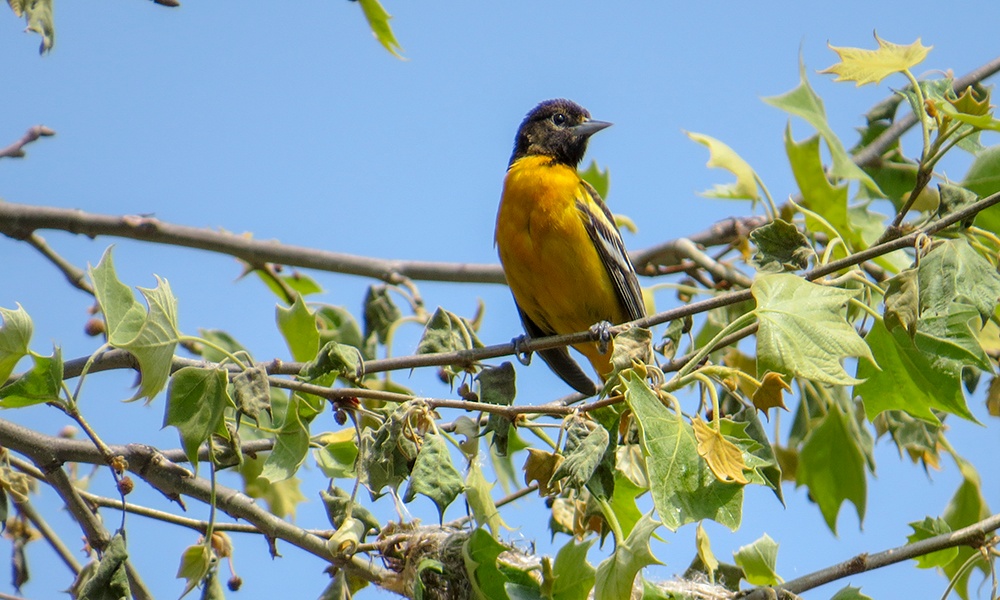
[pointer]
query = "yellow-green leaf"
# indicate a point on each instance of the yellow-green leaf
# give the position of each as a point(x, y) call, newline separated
point(724, 157)
point(722, 456)
point(378, 20)
point(872, 66)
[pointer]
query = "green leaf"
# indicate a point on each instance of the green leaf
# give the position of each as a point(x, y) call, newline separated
point(724, 157)
point(771, 471)
point(340, 359)
point(297, 282)
point(902, 301)
point(298, 326)
point(196, 401)
point(983, 178)
point(832, 466)
point(477, 494)
point(38, 14)
point(819, 195)
point(966, 507)
point(386, 455)
point(380, 312)
point(758, 561)
point(434, 475)
point(252, 391)
point(378, 21)
point(497, 385)
point(195, 563)
point(803, 102)
point(617, 572)
point(954, 271)
point(291, 444)
point(872, 66)
point(338, 502)
point(684, 489)
point(447, 332)
point(585, 444)
point(926, 529)
point(41, 384)
point(909, 379)
point(480, 553)
point(109, 581)
point(803, 332)
point(704, 547)
point(573, 575)
point(780, 247)
point(150, 336)
point(338, 455)
point(850, 593)
point(15, 334)
point(598, 178)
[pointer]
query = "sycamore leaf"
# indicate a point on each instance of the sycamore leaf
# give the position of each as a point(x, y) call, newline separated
point(832, 466)
point(909, 379)
point(902, 301)
point(338, 502)
point(850, 593)
point(195, 562)
point(38, 14)
point(770, 393)
point(683, 488)
point(497, 385)
point(599, 179)
point(480, 553)
point(14, 337)
point(966, 507)
point(724, 157)
point(109, 580)
point(338, 455)
point(704, 547)
point(819, 194)
point(540, 466)
point(616, 573)
point(380, 312)
point(252, 391)
point(298, 326)
point(434, 475)
point(477, 494)
point(291, 444)
point(803, 102)
point(572, 576)
point(343, 360)
point(196, 401)
point(42, 383)
point(722, 456)
point(780, 247)
point(803, 332)
point(872, 66)
point(150, 336)
point(926, 529)
point(972, 101)
point(378, 21)
point(447, 332)
point(586, 442)
point(758, 561)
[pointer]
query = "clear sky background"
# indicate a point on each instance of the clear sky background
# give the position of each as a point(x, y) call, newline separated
point(290, 122)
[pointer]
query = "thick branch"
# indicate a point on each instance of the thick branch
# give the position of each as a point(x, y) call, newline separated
point(975, 535)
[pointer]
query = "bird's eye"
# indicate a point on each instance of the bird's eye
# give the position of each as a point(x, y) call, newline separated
point(559, 119)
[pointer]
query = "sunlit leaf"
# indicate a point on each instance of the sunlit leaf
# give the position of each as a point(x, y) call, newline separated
point(378, 21)
point(833, 467)
point(803, 332)
point(780, 247)
point(480, 553)
point(927, 529)
point(15, 334)
point(721, 455)
point(42, 383)
point(724, 157)
point(872, 66)
point(599, 178)
point(196, 401)
point(616, 573)
point(434, 475)
point(758, 561)
point(298, 326)
point(38, 14)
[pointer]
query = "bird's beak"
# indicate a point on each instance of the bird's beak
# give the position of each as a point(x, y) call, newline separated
point(589, 128)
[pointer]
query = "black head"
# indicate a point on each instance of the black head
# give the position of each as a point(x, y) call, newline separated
point(556, 128)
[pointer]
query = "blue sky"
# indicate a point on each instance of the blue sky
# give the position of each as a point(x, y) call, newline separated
point(295, 125)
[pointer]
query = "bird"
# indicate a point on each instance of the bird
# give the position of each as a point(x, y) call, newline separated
point(561, 252)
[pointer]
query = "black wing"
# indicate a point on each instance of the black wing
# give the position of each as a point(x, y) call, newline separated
point(610, 247)
point(559, 359)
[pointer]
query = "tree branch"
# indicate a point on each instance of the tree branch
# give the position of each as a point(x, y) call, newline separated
point(975, 535)
point(16, 150)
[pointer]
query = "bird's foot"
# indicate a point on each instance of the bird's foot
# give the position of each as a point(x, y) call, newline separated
point(522, 356)
point(602, 332)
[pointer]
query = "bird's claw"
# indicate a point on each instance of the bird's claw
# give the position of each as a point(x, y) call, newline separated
point(522, 356)
point(602, 334)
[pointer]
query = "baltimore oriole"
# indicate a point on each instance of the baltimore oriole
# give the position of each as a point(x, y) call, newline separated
point(561, 251)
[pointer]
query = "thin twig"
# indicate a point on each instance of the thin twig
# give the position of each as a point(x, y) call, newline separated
point(64, 553)
point(16, 150)
point(76, 277)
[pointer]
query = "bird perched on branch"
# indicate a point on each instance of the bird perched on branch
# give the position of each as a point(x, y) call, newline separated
point(561, 251)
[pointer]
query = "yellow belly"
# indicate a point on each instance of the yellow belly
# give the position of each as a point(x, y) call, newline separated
point(550, 262)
